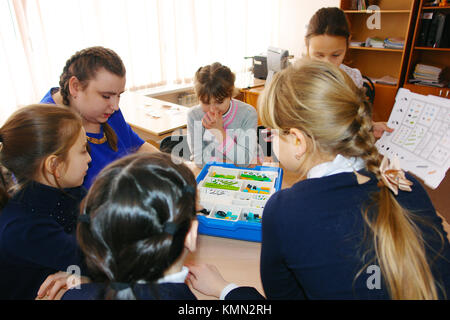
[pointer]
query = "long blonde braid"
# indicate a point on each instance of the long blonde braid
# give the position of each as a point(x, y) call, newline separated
point(322, 101)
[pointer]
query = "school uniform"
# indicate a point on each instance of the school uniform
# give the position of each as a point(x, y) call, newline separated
point(127, 142)
point(313, 235)
point(171, 287)
point(37, 238)
point(240, 144)
point(353, 73)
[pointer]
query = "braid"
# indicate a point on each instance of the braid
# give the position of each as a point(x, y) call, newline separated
point(322, 101)
point(65, 77)
point(364, 140)
point(83, 65)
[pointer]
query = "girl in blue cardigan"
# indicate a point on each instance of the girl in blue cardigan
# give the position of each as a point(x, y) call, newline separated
point(45, 148)
point(356, 226)
point(91, 83)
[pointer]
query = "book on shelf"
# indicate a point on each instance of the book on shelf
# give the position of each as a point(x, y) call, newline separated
point(375, 42)
point(385, 80)
point(436, 30)
point(394, 43)
point(357, 44)
point(426, 19)
point(427, 75)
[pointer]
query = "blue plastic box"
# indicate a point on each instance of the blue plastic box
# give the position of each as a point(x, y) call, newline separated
point(237, 204)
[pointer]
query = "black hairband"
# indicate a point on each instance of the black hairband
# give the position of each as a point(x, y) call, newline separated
point(119, 286)
point(170, 228)
point(84, 218)
point(189, 189)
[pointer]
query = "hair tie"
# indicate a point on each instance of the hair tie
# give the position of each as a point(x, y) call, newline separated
point(189, 189)
point(170, 228)
point(84, 218)
point(119, 286)
point(392, 176)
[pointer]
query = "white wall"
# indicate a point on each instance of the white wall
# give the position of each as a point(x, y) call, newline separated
point(294, 16)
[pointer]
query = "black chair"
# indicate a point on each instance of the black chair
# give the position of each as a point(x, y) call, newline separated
point(265, 145)
point(169, 143)
point(370, 89)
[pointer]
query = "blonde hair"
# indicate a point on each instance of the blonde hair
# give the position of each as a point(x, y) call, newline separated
point(324, 103)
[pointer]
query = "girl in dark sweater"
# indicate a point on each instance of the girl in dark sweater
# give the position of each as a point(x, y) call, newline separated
point(45, 148)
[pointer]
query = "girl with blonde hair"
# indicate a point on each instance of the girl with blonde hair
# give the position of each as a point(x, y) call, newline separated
point(357, 227)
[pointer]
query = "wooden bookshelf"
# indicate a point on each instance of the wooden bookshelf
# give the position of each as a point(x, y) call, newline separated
point(376, 49)
point(381, 11)
point(426, 55)
point(397, 19)
point(432, 49)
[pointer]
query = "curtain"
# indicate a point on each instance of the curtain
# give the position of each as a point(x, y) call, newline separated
point(160, 41)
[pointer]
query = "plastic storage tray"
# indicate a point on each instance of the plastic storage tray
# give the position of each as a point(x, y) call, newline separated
point(234, 198)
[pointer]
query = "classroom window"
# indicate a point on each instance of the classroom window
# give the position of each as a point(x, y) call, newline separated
point(160, 41)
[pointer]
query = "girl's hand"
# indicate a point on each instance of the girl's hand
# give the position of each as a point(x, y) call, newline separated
point(206, 279)
point(57, 284)
point(379, 128)
point(213, 121)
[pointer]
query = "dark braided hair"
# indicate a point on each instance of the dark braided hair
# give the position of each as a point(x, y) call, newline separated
point(84, 65)
point(129, 206)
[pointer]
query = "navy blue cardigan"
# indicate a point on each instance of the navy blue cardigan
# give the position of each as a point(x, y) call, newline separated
point(312, 235)
point(162, 291)
point(37, 238)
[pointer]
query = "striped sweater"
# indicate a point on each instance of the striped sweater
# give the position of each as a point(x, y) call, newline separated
point(239, 146)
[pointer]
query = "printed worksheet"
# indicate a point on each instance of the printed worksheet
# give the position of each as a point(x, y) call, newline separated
point(421, 137)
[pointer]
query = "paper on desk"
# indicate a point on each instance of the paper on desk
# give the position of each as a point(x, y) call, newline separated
point(421, 137)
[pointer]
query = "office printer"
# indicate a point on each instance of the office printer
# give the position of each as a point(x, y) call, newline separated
point(259, 66)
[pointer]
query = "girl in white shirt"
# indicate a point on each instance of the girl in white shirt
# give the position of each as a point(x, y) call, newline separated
point(327, 39)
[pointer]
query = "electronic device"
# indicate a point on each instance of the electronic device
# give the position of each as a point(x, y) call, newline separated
point(277, 60)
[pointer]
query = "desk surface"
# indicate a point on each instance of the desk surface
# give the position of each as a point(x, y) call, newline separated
point(152, 116)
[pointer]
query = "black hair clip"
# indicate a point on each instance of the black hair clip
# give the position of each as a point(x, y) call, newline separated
point(119, 286)
point(170, 227)
point(84, 218)
point(189, 189)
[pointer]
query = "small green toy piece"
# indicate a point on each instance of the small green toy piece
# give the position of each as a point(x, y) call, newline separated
point(220, 186)
point(255, 177)
point(223, 176)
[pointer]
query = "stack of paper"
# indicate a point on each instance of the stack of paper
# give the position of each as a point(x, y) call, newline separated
point(385, 80)
point(357, 43)
point(375, 42)
point(394, 43)
point(427, 75)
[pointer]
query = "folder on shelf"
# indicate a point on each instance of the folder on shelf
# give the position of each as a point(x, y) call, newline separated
point(436, 30)
point(427, 17)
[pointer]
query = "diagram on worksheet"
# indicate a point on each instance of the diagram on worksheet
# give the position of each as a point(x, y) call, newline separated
point(421, 137)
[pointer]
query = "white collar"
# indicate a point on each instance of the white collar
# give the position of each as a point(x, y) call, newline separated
point(338, 165)
point(178, 277)
point(229, 109)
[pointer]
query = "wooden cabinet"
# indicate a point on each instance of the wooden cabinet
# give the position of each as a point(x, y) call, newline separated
point(426, 55)
point(396, 19)
point(439, 57)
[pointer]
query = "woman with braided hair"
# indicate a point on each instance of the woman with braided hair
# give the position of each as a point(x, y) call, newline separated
point(91, 82)
point(357, 227)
